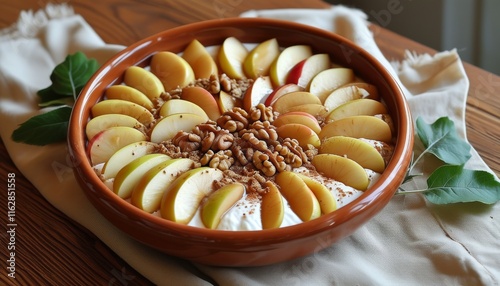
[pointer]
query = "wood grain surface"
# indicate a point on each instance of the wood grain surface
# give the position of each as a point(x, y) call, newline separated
point(51, 249)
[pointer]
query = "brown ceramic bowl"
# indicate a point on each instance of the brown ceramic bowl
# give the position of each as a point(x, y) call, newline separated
point(242, 248)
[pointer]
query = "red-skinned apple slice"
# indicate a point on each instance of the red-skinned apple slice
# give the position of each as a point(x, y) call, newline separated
point(300, 117)
point(312, 108)
point(219, 202)
point(272, 209)
point(356, 149)
point(167, 127)
point(286, 60)
point(258, 61)
point(102, 122)
point(203, 99)
point(301, 199)
point(360, 126)
point(304, 71)
point(107, 142)
point(148, 192)
point(124, 156)
point(126, 92)
point(342, 169)
point(231, 56)
point(302, 133)
point(129, 176)
point(328, 80)
point(200, 60)
point(182, 198)
point(120, 106)
point(362, 106)
point(172, 70)
point(282, 90)
point(297, 98)
point(144, 81)
point(257, 92)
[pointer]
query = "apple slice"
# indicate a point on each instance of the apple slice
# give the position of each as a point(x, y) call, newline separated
point(278, 92)
point(304, 71)
point(200, 60)
point(148, 192)
point(176, 106)
point(362, 106)
point(219, 202)
point(128, 177)
point(342, 169)
point(124, 156)
point(356, 149)
point(203, 99)
point(231, 56)
point(304, 134)
point(120, 106)
point(184, 195)
point(316, 110)
point(360, 126)
point(325, 198)
point(300, 117)
point(328, 80)
point(258, 61)
point(144, 81)
point(343, 95)
point(99, 123)
point(257, 92)
point(227, 102)
point(126, 92)
point(301, 199)
point(285, 102)
point(167, 127)
point(286, 60)
point(272, 208)
point(172, 70)
point(372, 91)
point(106, 143)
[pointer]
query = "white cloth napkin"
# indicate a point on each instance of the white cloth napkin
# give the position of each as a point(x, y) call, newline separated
point(409, 243)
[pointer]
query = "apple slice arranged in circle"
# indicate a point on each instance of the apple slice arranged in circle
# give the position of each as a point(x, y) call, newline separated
point(107, 142)
point(231, 56)
point(144, 81)
point(282, 90)
point(219, 202)
point(105, 121)
point(341, 169)
point(200, 60)
point(325, 197)
point(258, 61)
point(360, 126)
point(128, 177)
point(172, 70)
point(286, 60)
point(272, 210)
point(204, 99)
point(302, 200)
point(362, 106)
point(124, 156)
point(126, 92)
point(292, 99)
point(328, 80)
point(343, 95)
point(120, 106)
point(182, 198)
point(177, 106)
point(167, 127)
point(299, 117)
point(148, 192)
point(227, 102)
point(257, 92)
point(302, 133)
point(304, 71)
point(356, 149)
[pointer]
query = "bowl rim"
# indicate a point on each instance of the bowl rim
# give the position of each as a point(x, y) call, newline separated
point(77, 146)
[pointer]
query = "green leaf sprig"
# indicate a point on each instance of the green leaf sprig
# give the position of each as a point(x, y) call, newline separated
point(68, 79)
point(451, 183)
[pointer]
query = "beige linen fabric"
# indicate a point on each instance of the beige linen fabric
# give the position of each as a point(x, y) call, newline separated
point(409, 243)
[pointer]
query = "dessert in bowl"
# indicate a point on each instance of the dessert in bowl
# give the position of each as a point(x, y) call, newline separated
point(258, 178)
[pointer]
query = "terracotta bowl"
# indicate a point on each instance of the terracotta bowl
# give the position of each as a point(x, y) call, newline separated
point(242, 248)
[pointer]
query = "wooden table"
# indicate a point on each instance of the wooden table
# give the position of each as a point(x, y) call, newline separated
point(54, 250)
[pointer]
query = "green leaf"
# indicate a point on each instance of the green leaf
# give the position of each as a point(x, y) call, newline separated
point(69, 77)
point(454, 184)
point(442, 140)
point(45, 128)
